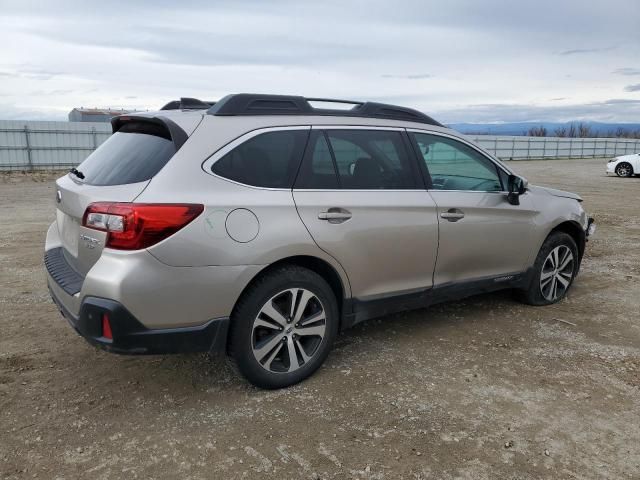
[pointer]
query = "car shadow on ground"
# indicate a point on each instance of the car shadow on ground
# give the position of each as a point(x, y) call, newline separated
point(185, 374)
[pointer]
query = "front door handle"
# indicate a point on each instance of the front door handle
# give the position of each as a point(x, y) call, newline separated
point(452, 215)
point(335, 215)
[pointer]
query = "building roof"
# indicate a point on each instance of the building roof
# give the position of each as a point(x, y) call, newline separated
point(100, 111)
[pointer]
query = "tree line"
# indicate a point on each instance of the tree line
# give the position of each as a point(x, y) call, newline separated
point(581, 130)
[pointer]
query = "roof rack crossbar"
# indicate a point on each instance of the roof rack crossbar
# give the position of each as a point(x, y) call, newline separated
point(258, 104)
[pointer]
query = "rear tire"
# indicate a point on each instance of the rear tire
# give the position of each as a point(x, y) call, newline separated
point(624, 169)
point(283, 327)
point(553, 271)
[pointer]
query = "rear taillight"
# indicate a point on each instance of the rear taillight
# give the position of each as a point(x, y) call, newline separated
point(133, 226)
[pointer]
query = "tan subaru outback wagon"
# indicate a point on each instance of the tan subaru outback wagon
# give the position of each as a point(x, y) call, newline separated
point(263, 225)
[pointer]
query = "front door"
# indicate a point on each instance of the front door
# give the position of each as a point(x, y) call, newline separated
point(481, 234)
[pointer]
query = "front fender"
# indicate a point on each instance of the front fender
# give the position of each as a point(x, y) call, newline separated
point(558, 213)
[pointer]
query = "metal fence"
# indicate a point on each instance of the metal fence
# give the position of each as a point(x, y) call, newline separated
point(552, 148)
point(48, 145)
point(36, 145)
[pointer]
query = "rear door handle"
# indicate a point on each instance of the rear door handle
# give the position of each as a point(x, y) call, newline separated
point(335, 215)
point(452, 215)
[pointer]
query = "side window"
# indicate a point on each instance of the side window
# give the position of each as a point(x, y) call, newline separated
point(317, 171)
point(371, 159)
point(453, 165)
point(267, 160)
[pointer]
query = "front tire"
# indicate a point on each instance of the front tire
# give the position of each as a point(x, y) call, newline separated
point(624, 169)
point(554, 270)
point(283, 327)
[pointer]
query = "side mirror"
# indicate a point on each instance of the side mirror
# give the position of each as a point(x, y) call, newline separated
point(516, 187)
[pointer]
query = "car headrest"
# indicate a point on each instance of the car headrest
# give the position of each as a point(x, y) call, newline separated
point(366, 173)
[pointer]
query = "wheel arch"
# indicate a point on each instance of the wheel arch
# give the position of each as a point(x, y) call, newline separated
point(575, 231)
point(328, 272)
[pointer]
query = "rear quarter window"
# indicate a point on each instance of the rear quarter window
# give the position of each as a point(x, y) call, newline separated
point(269, 160)
point(133, 154)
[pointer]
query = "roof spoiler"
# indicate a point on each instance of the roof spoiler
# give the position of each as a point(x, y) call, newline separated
point(176, 134)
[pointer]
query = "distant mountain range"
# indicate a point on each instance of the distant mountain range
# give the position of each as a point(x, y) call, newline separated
point(522, 128)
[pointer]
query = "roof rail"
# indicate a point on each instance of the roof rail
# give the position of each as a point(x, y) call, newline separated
point(186, 103)
point(258, 104)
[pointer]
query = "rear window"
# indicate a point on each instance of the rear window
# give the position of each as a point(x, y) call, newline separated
point(135, 153)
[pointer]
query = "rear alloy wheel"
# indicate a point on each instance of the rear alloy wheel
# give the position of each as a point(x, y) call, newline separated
point(288, 330)
point(624, 169)
point(283, 327)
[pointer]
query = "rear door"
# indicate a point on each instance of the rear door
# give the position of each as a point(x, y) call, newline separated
point(118, 171)
point(360, 196)
point(481, 234)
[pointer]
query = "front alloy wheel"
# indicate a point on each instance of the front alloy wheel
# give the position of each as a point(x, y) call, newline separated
point(288, 330)
point(624, 170)
point(553, 271)
point(557, 273)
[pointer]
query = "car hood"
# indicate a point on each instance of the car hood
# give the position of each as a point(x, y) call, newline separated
point(555, 192)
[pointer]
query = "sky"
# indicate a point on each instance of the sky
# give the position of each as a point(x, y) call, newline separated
point(459, 61)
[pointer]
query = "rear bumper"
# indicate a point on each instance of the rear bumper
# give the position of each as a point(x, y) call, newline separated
point(131, 337)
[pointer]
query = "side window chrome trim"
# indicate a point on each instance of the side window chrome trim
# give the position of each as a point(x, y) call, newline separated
point(221, 152)
point(501, 192)
point(356, 127)
point(378, 190)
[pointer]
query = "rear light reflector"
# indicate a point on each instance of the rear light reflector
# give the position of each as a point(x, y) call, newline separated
point(106, 327)
point(134, 226)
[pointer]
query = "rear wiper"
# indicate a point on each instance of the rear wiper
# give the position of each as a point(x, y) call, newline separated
point(77, 173)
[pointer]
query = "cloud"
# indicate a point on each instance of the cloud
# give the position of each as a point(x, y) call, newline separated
point(14, 112)
point(610, 110)
point(619, 101)
point(46, 93)
point(579, 51)
point(446, 57)
point(627, 71)
point(632, 88)
point(418, 76)
point(31, 74)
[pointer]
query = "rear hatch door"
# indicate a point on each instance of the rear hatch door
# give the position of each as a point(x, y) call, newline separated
point(118, 171)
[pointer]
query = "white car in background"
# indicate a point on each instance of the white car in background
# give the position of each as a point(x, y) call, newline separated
point(624, 165)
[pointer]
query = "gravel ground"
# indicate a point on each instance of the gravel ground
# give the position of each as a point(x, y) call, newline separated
point(482, 388)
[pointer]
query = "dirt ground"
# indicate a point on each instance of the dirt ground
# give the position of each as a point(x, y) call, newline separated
point(478, 389)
